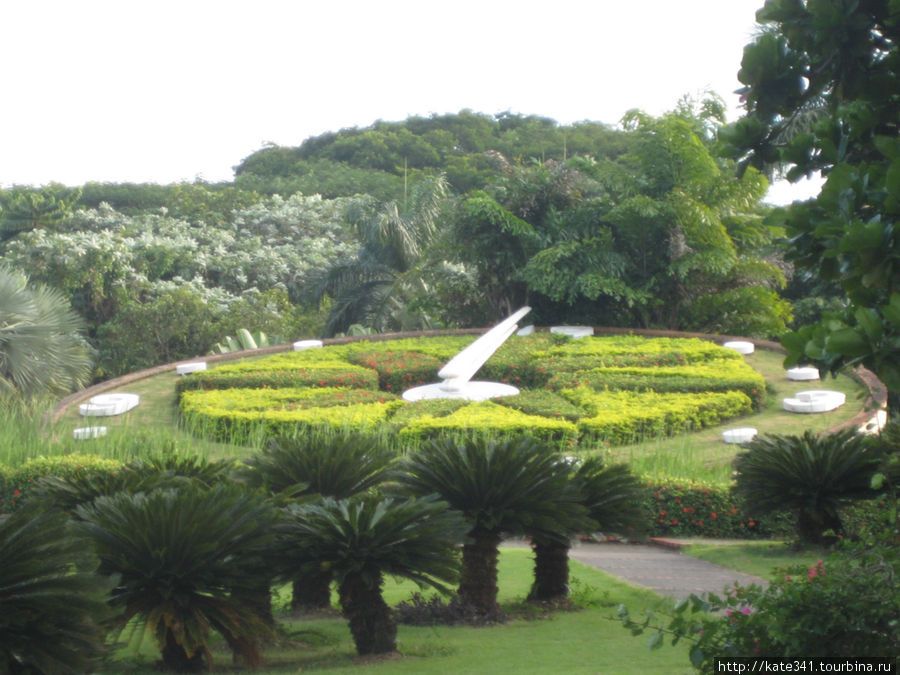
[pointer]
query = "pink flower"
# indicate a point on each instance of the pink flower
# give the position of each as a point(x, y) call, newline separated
point(746, 610)
point(787, 577)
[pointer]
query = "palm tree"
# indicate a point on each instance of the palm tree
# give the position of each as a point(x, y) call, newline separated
point(812, 475)
point(390, 269)
point(612, 496)
point(511, 486)
point(42, 350)
point(53, 606)
point(186, 560)
point(364, 538)
point(319, 464)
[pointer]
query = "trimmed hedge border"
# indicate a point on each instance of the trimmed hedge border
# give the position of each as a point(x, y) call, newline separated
point(876, 399)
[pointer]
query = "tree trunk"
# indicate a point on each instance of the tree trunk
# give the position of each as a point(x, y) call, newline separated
point(551, 571)
point(176, 660)
point(478, 580)
point(812, 524)
point(312, 591)
point(371, 624)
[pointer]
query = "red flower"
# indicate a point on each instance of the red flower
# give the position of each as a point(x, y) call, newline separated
point(17, 492)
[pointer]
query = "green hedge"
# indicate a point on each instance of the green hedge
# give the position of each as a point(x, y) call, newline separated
point(543, 404)
point(324, 374)
point(399, 370)
point(16, 483)
point(489, 418)
point(718, 375)
point(289, 398)
point(622, 351)
point(612, 389)
point(439, 407)
point(237, 416)
point(621, 417)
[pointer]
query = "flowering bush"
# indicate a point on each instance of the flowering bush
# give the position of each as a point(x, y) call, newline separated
point(843, 606)
point(685, 508)
point(399, 370)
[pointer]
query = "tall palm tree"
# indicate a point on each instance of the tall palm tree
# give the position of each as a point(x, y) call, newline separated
point(612, 496)
point(317, 464)
point(374, 289)
point(186, 559)
point(42, 350)
point(364, 538)
point(52, 610)
point(812, 475)
point(511, 486)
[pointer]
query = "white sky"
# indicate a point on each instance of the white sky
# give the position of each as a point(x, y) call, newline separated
point(169, 91)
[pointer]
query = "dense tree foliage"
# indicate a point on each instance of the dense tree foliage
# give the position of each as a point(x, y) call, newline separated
point(450, 220)
point(185, 284)
point(822, 91)
point(463, 146)
point(664, 236)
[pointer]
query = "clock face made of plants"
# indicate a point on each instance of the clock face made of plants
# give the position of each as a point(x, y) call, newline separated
point(610, 390)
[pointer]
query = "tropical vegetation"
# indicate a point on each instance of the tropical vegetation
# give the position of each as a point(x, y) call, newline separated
point(186, 561)
point(507, 487)
point(363, 539)
point(811, 475)
point(454, 221)
point(54, 603)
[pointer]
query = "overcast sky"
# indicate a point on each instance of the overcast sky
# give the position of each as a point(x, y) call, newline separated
point(169, 91)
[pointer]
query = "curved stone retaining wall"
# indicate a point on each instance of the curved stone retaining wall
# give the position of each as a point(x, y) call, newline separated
point(876, 398)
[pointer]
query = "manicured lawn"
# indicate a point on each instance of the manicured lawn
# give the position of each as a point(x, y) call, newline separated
point(703, 455)
point(759, 558)
point(699, 455)
point(589, 640)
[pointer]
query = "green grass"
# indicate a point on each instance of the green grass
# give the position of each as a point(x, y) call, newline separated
point(759, 558)
point(700, 455)
point(589, 640)
point(703, 456)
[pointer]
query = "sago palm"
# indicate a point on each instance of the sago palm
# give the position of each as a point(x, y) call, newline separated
point(812, 475)
point(364, 538)
point(138, 475)
point(186, 559)
point(510, 486)
point(319, 464)
point(611, 496)
point(52, 608)
point(42, 350)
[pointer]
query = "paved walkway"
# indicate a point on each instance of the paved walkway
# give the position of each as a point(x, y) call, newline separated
point(665, 571)
point(662, 570)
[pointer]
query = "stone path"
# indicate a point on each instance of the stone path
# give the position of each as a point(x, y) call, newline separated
point(663, 570)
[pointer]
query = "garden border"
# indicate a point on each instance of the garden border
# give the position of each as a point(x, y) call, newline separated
point(875, 400)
